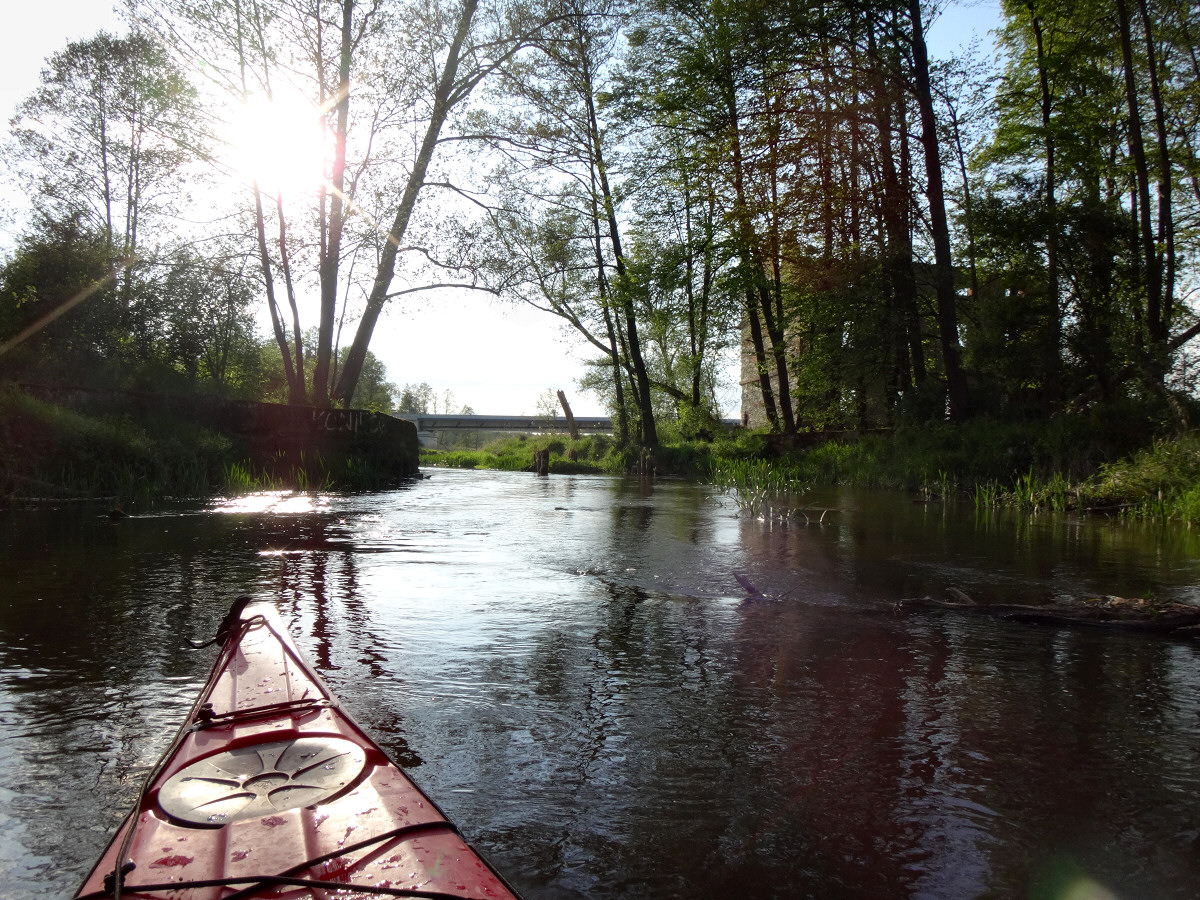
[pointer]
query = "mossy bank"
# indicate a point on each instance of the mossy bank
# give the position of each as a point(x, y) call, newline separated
point(133, 449)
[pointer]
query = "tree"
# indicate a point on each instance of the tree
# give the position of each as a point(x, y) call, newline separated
point(1100, 113)
point(59, 314)
point(562, 178)
point(703, 64)
point(105, 141)
point(104, 138)
point(415, 398)
point(193, 320)
point(388, 76)
point(947, 312)
point(373, 391)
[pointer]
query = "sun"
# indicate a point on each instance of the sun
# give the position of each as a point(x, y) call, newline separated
point(280, 143)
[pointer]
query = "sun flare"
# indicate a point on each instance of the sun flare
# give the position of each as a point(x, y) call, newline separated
point(280, 143)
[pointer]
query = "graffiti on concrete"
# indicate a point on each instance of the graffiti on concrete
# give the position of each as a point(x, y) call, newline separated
point(348, 421)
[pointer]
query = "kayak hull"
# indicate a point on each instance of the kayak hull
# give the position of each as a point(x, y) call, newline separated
point(272, 790)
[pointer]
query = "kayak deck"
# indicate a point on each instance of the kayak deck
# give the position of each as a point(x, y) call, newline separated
point(272, 790)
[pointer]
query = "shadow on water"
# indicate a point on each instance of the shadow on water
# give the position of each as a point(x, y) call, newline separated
point(591, 694)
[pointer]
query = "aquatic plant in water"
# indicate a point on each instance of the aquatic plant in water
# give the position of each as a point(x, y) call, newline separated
point(762, 488)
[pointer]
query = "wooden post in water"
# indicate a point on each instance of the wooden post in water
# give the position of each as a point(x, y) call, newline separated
point(541, 462)
point(645, 464)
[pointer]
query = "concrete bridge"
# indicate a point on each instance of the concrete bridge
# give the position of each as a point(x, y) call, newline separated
point(429, 425)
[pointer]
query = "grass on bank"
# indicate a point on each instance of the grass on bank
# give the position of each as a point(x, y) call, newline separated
point(243, 477)
point(593, 455)
point(1161, 481)
point(49, 451)
point(1156, 482)
point(601, 455)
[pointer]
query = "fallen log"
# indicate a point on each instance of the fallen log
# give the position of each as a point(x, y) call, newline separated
point(1123, 613)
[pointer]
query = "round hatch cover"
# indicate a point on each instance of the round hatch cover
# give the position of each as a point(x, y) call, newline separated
point(260, 780)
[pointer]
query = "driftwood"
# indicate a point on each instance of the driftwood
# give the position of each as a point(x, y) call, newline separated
point(1149, 616)
point(571, 426)
point(752, 593)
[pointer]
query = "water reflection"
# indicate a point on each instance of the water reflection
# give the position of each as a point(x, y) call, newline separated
point(275, 502)
point(588, 692)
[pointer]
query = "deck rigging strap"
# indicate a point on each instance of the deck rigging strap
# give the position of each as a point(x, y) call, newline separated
point(266, 881)
point(289, 876)
point(206, 718)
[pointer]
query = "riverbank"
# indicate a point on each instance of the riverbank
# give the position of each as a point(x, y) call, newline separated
point(1113, 461)
point(132, 450)
point(1159, 480)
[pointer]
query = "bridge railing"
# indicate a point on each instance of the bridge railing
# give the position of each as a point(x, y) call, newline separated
point(427, 422)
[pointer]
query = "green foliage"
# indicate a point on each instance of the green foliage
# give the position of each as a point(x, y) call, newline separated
point(514, 453)
point(102, 140)
point(991, 460)
point(1155, 480)
point(169, 324)
point(50, 451)
point(101, 447)
point(372, 390)
point(690, 423)
point(58, 288)
point(459, 459)
point(415, 398)
point(1160, 482)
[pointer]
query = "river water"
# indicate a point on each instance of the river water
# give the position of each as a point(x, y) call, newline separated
point(570, 669)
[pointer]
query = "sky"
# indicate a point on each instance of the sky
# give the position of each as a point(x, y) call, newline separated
point(496, 357)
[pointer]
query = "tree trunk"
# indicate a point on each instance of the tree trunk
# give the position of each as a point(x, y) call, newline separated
point(914, 329)
point(757, 295)
point(633, 343)
point(1166, 223)
point(956, 382)
point(572, 428)
point(386, 270)
point(1150, 262)
point(760, 360)
point(618, 381)
point(614, 344)
point(772, 299)
point(1053, 386)
point(295, 380)
point(897, 250)
point(331, 248)
point(968, 212)
point(285, 262)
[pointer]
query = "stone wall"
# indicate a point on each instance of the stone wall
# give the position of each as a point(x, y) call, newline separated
point(754, 413)
point(383, 443)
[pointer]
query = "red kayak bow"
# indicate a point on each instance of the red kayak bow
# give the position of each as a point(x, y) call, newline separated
point(271, 790)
